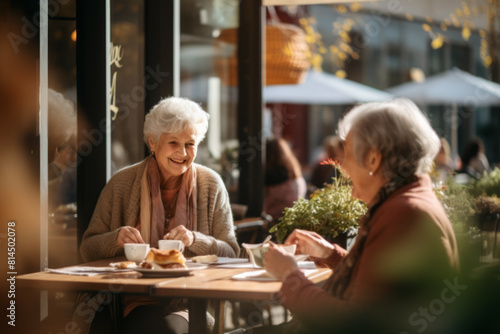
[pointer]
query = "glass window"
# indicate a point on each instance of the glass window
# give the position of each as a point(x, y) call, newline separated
point(208, 76)
point(128, 88)
point(62, 126)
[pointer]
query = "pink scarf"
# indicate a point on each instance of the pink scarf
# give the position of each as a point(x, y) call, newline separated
point(152, 211)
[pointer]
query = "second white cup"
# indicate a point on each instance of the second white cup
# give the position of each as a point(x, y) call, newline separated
point(171, 244)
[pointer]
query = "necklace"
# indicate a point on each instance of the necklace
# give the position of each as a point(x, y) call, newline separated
point(169, 205)
point(169, 211)
point(169, 199)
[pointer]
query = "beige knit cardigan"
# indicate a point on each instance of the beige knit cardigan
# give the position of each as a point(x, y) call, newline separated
point(119, 205)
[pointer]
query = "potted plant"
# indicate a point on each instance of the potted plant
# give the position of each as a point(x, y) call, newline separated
point(331, 211)
point(460, 207)
point(488, 185)
point(486, 190)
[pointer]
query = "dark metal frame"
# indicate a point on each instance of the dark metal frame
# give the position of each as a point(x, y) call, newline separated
point(250, 74)
point(91, 68)
point(159, 38)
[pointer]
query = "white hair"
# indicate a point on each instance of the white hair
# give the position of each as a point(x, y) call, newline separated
point(61, 115)
point(398, 130)
point(61, 121)
point(174, 115)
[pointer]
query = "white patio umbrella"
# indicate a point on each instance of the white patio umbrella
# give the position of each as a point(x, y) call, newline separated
point(451, 87)
point(323, 88)
point(454, 87)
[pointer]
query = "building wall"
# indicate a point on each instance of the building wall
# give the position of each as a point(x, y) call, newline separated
point(437, 10)
point(390, 46)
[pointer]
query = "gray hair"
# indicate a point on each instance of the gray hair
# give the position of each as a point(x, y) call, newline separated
point(398, 130)
point(174, 115)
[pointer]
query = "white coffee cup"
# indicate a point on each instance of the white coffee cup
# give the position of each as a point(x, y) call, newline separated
point(171, 244)
point(257, 252)
point(136, 252)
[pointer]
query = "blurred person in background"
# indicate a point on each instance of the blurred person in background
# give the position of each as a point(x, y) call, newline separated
point(443, 163)
point(406, 245)
point(474, 161)
point(62, 175)
point(63, 160)
point(62, 155)
point(284, 183)
point(321, 174)
point(61, 123)
point(166, 196)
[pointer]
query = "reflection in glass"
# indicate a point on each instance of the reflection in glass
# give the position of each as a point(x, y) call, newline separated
point(62, 143)
point(205, 71)
point(128, 89)
point(62, 151)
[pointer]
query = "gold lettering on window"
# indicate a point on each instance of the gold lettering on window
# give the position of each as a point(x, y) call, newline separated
point(116, 54)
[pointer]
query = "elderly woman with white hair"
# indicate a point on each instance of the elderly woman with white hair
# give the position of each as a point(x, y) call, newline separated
point(166, 196)
point(405, 235)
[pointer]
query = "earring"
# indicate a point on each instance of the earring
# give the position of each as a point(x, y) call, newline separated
point(153, 153)
point(371, 173)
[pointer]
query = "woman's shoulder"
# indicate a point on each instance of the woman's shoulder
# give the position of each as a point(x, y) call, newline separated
point(420, 190)
point(412, 201)
point(207, 176)
point(206, 171)
point(208, 180)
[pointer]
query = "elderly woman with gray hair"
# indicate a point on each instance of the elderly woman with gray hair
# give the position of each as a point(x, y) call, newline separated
point(166, 196)
point(404, 241)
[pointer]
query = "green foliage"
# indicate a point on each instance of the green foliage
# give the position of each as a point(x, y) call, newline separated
point(488, 185)
point(460, 207)
point(330, 210)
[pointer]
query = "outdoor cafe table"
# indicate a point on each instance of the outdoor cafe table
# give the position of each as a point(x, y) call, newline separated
point(212, 283)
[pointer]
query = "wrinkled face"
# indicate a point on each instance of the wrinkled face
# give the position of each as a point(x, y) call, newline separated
point(175, 152)
point(358, 174)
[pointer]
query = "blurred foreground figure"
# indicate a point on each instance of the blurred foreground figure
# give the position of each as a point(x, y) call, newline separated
point(19, 190)
point(405, 252)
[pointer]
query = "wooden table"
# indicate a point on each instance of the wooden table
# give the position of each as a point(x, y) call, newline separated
point(203, 285)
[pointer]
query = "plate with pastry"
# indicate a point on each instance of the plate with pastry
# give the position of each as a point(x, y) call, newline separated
point(166, 263)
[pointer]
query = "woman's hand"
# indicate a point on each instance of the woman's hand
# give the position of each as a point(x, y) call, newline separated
point(311, 243)
point(180, 233)
point(129, 235)
point(278, 262)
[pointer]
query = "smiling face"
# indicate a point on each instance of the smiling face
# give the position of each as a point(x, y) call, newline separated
point(175, 152)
